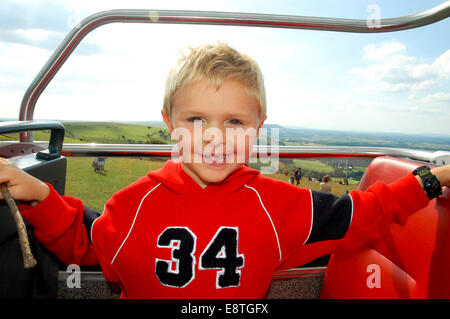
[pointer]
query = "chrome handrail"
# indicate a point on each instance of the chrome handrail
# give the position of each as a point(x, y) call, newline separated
point(74, 37)
point(167, 150)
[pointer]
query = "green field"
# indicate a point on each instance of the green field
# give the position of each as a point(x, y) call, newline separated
point(94, 189)
point(116, 133)
point(38, 136)
point(336, 189)
point(105, 133)
point(313, 165)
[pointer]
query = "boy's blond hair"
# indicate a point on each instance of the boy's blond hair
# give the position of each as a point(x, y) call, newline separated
point(215, 63)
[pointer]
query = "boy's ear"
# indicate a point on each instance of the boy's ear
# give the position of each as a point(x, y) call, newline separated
point(167, 121)
point(262, 123)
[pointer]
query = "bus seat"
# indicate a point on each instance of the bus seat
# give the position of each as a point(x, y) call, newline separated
point(410, 261)
point(41, 281)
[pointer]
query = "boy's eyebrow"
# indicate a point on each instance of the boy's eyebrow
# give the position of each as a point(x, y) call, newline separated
point(226, 114)
point(191, 112)
point(234, 115)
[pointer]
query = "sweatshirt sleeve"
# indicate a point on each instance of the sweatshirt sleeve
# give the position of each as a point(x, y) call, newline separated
point(58, 224)
point(375, 209)
point(358, 219)
point(63, 225)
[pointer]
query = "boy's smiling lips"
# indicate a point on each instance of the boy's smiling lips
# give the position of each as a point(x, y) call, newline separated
point(217, 160)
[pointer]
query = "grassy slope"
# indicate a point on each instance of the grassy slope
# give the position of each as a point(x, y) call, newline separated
point(94, 189)
point(38, 136)
point(336, 188)
point(109, 133)
point(313, 165)
point(116, 133)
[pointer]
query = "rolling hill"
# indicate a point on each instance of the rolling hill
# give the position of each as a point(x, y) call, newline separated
point(155, 132)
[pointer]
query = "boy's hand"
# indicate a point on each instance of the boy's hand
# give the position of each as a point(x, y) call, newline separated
point(442, 174)
point(21, 185)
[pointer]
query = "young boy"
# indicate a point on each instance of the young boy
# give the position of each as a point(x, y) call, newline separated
point(206, 225)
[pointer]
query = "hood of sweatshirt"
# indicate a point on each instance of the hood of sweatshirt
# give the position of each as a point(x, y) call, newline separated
point(172, 176)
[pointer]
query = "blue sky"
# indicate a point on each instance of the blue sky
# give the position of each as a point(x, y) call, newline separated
point(394, 82)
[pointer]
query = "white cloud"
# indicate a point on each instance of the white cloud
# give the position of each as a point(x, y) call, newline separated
point(388, 49)
point(442, 64)
point(351, 113)
point(35, 34)
point(441, 97)
point(392, 70)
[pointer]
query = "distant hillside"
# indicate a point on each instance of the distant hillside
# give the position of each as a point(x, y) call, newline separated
point(116, 133)
point(302, 136)
point(156, 132)
point(108, 133)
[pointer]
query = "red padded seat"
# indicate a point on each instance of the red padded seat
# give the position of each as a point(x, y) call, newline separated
point(410, 261)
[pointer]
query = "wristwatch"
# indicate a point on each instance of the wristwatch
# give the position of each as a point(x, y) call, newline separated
point(431, 184)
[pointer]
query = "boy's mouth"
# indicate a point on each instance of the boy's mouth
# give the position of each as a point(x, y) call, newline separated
point(218, 160)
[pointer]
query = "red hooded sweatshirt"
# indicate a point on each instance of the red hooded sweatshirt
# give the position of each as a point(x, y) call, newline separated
point(166, 237)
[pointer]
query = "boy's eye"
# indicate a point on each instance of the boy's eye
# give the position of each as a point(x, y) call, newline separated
point(235, 122)
point(194, 118)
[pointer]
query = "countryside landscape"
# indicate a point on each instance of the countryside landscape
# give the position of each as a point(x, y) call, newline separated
point(96, 188)
point(156, 132)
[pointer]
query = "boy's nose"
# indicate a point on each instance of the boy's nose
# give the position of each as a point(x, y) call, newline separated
point(214, 133)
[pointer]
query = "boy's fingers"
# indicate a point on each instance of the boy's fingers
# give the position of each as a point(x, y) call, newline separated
point(3, 161)
point(5, 164)
point(5, 170)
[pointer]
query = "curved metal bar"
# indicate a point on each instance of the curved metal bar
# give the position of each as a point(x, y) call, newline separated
point(168, 150)
point(74, 37)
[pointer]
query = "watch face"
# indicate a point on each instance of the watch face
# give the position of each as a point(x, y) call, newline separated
point(423, 172)
point(430, 183)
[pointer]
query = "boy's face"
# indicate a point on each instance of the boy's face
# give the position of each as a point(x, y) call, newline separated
point(215, 129)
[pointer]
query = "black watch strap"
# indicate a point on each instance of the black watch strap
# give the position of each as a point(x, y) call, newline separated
point(431, 184)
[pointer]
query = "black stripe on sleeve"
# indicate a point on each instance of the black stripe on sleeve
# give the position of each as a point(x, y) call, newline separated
point(331, 216)
point(90, 216)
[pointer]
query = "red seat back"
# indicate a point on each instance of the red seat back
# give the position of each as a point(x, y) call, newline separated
point(411, 261)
